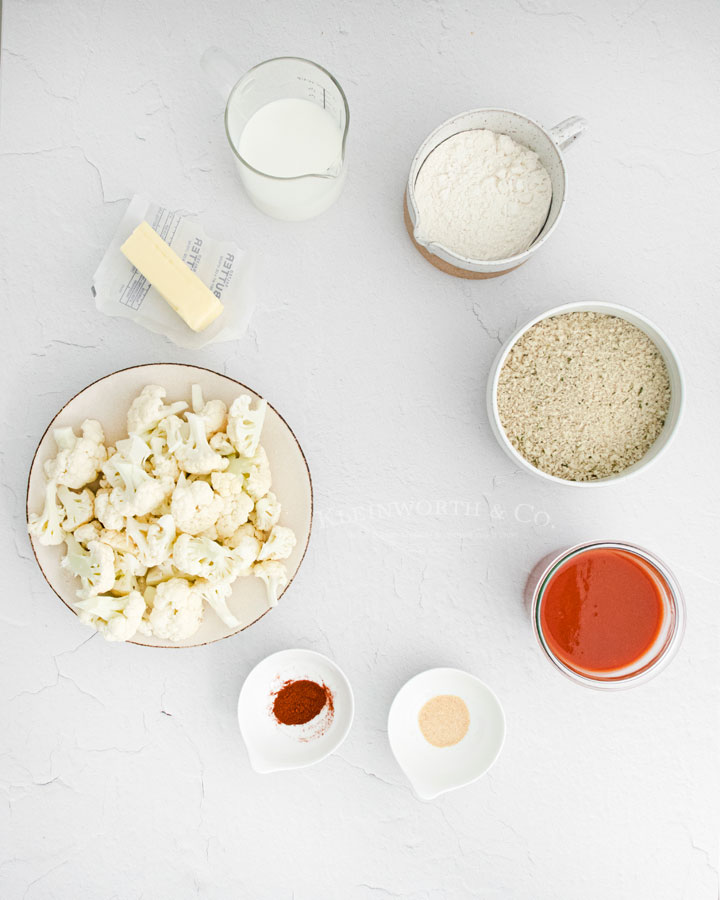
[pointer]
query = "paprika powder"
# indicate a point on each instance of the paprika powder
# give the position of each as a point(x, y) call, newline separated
point(299, 702)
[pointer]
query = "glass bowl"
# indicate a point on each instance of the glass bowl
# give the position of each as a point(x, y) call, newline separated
point(664, 647)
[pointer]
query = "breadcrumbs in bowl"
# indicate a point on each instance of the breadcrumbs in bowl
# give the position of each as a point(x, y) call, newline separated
point(582, 395)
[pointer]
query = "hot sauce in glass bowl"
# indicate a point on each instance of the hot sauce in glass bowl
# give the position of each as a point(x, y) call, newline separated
point(608, 614)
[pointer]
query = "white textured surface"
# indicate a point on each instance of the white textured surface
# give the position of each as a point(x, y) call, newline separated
point(123, 773)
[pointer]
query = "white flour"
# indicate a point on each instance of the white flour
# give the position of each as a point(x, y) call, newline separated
point(482, 195)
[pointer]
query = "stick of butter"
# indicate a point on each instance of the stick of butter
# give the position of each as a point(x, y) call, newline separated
point(171, 277)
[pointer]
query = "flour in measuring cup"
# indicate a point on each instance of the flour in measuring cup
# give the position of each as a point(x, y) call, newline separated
point(482, 195)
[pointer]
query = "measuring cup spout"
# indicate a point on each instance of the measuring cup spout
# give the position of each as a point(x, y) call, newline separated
point(335, 169)
point(418, 235)
point(220, 70)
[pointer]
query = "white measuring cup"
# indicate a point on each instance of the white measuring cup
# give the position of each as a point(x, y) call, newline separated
point(302, 194)
point(548, 144)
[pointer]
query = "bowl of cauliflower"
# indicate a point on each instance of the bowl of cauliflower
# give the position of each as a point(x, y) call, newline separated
point(169, 506)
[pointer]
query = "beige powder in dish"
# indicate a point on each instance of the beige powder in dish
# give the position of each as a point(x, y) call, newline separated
point(444, 720)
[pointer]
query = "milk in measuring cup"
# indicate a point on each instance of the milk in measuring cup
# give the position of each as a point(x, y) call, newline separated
point(288, 139)
point(291, 137)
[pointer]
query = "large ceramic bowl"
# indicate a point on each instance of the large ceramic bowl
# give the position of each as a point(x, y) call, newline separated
point(108, 400)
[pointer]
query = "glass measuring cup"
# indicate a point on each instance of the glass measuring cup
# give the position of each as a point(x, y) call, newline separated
point(275, 185)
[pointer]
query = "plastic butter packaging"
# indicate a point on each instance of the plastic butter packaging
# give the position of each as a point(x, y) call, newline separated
point(120, 290)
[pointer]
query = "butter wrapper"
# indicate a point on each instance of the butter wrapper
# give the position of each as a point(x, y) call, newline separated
point(120, 290)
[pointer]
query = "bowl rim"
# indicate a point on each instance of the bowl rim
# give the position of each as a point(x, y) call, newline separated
point(440, 670)
point(665, 656)
point(342, 735)
point(611, 309)
point(421, 155)
point(187, 366)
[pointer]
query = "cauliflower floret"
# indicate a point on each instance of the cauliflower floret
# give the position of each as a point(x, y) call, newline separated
point(237, 505)
point(210, 533)
point(106, 510)
point(195, 455)
point(164, 571)
point(245, 532)
point(279, 545)
point(89, 532)
point(95, 567)
point(64, 438)
point(79, 506)
point(203, 558)
point(245, 544)
point(217, 594)
point(177, 610)
point(163, 465)
point(47, 527)
point(153, 540)
point(116, 618)
point(164, 508)
point(133, 449)
point(213, 413)
point(118, 540)
point(147, 409)
point(144, 626)
point(128, 569)
point(245, 425)
point(246, 549)
point(195, 507)
point(141, 493)
point(170, 430)
point(256, 472)
point(275, 576)
point(79, 459)
point(134, 492)
point(266, 512)
point(220, 442)
point(258, 482)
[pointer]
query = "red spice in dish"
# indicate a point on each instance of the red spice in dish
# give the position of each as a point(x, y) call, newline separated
point(602, 610)
point(298, 702)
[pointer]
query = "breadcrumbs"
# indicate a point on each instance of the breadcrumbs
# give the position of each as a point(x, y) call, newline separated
point(583, 395)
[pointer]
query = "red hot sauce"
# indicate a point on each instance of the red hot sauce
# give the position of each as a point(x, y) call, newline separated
point(602, 610)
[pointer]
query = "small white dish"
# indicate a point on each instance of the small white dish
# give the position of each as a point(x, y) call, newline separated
point(108, 400)
point(273, 747)
point(609, 309)
point(435, 770)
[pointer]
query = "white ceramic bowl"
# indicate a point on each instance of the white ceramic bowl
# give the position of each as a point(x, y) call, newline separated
point(549, 146)
point(108, 400)
point(272, 746)
point(674, 373)
point(435, 770)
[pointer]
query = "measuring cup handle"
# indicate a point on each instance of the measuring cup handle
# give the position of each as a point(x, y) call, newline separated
point(220, 70)
point(568, 131)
